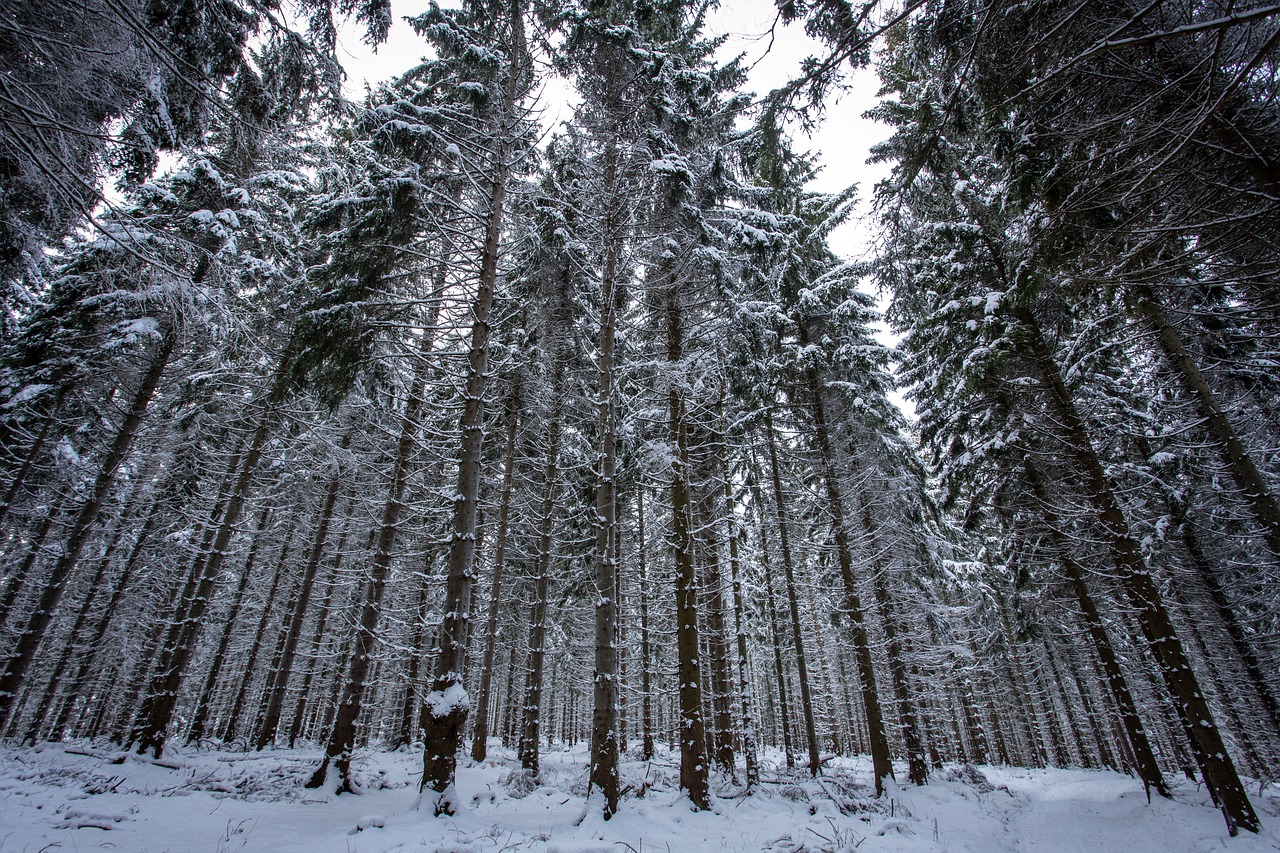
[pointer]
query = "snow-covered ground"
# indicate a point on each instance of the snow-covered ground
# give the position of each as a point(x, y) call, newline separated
point(76, 797)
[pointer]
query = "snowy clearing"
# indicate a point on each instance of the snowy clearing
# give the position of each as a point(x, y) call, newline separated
point(76, 797)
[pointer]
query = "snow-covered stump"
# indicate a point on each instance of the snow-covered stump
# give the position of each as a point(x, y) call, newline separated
point(444, 716)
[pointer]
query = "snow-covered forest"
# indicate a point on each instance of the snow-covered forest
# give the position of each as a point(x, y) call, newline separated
point(415, 442)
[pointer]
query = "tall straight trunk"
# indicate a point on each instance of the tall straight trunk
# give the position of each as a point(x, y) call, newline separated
point(775, 633)
point(342, 737)
point(232, 723)
point(604, 720)
point(72, 646)
point(1228, 616)
point(200, 716)
point(917, 766)
point(480, 735)
point(788, 569)
point(1135, 733)
point(32, 456)
point(1220, 774)
point(692, 734)
point(94, 645)
point(723, 729)
point(410, 713)
point(279, 682)
point(55, 584)
point(620, 636)
point(445, 709)
point(531, 717)
point(749, 747)
point(16, 582)
point(646, 645)
point(317, 636)
point(162, 698)
point(882, 764)
point(1262, 503)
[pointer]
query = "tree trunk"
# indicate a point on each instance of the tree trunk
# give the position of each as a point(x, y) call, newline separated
point(882, 764)
point(480, 735)
point(200, 717)
point(531, 718)
point(53, 586)
point(157, 713)
point(917, 766)
point(1243, 470)
point(604, 719)
point(445, 709)
point(749, 747)
point(646, 647)
point(723, 729)
point(788, 568)
point(342, 738)
point(692, 734)
point(1219, 772)
point(298, 610)
point(775, 632)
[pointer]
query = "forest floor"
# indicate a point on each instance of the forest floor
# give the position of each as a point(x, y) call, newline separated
point(78, 797)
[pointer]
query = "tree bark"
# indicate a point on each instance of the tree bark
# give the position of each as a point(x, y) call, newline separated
point(162, 698)
point(692, 733)
point(480, 734)
point(775, 631)
point(604, 719)
point(200, 717)
point(1219, 772)
point(917, 766)
point(1248, 479)
point(445, 709)
point(646, 647)
point(788, 568)
point(298, 611)
point(342, 738)
point(531, 718)
point(750, 749)
point(723, 729)
point(882, 764)
point(53, 587)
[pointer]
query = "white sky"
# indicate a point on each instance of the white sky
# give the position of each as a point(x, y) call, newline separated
point(842, 143)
